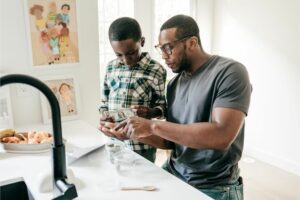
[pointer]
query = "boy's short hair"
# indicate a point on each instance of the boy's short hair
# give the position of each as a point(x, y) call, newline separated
point(186, 26)
point(65, 5)
point(124, 28)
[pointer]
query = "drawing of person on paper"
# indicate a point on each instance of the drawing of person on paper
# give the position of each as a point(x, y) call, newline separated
point(65, 91)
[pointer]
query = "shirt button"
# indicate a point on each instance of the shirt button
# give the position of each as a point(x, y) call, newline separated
point(124, 93)
point(127, 80)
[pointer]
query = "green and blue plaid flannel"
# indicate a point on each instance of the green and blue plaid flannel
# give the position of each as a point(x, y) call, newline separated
point(142, 84)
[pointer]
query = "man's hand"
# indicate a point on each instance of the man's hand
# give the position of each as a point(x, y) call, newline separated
point(135, 127)
point(143, 111)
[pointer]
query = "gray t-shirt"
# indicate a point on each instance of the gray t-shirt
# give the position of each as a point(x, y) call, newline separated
point(220, 82)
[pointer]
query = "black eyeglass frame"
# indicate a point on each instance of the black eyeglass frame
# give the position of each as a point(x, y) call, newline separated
point(168, 47)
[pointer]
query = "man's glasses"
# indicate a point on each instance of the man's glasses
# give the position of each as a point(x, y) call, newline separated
point(168, 47)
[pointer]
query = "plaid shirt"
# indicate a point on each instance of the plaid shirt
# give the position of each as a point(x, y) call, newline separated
point(142, 84)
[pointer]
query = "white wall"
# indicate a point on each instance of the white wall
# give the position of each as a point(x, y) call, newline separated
point(14, 58)
point(145, 19)
point(265, 36)
point(204, 13)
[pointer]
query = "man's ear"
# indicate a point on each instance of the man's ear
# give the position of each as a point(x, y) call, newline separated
point(193, 42)
point(142, 41)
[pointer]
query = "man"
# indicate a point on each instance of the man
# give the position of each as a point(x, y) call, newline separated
point(207, 104)
point(133, 79)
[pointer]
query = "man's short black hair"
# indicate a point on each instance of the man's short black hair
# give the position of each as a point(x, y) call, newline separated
point(124, 28)
point(186, 26)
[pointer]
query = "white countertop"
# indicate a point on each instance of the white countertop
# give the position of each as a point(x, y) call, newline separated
point(96, 178)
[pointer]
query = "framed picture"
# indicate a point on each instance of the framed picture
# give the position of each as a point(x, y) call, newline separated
point(66, 91)
point(53, 32)
point(6, 116)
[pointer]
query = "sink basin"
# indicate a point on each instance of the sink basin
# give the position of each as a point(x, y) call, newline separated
point(15, 189)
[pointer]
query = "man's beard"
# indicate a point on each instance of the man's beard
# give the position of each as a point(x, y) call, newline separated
point(183, 65)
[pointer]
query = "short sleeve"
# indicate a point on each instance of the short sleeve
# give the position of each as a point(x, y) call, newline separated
point(233, 88)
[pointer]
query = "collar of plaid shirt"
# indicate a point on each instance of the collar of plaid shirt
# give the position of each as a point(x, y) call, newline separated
point(144, 60)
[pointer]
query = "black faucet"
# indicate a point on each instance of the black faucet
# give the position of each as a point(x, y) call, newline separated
point(61, 189)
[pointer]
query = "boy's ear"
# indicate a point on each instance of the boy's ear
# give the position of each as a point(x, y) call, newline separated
point(142, 41)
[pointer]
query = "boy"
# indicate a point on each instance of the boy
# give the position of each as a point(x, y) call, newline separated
point(133, 79)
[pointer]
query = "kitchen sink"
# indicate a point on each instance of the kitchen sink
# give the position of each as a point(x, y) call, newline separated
point(15, 189)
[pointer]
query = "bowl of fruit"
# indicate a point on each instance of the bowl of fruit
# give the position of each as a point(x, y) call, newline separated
point(25, 142)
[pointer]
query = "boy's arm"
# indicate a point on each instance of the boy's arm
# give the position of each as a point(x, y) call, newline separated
point(104, 96)
point(157, 108)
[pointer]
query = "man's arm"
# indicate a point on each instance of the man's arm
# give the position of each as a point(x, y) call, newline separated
point(218, 134)
point(109, 129)
point(157, 142)
point(146, 112)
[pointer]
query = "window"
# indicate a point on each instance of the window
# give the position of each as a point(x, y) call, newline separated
point(109, 11)
point(163, 11)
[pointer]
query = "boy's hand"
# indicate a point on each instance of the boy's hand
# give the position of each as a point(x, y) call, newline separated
point(143, 111)
point(104, 117)
point(108, 128)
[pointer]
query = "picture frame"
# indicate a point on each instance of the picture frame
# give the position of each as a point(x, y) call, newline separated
point(6, 115)
point(52, 30)
point(66, 90)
